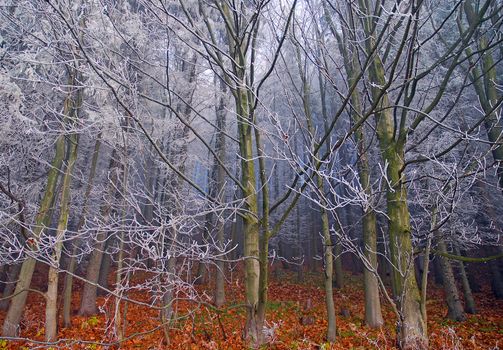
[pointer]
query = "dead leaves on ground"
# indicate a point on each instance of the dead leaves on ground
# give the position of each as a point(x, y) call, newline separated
point(296, 319)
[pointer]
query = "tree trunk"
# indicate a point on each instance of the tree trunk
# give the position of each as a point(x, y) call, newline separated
point(263, 283)
point(314, 241)
point(3, 277)
point(328, 271)
point(348, 220)
point(200, 276)
point(67, 293)
point(106, 262)
point(412, 328)
point(219, 192)
point(439, 280)
point(234, 255)
point(300, 266)
point(470, 307)
point(89, 291)
point(10, 285)
point(120, 275)
point(250, 215)
point(167, 298)
point(297, 248)
point(51, 309)
point(455, 309)
point(42, 220)
point(328, 256)
point(252, 273)
point(167, 266)
point(16, 308)
point(485, 82)
point(339, 275)
point(119, 325)
point(496, 279)
point(373, 315)
point(412, 331)
point(220, 273)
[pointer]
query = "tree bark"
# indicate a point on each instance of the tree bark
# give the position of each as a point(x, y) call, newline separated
point(300, 267)
point(484, 79)
point(10, 285)
point(373, 314)
point(250, 215)
point(89, 291)
point(263, 283)
point(496, 279)
point(167, 298)
point(42, 220)
point(220, 193)
point(470, 307)
point(67, 293)
point(106, 263)
point(51, 309)
point(313, 251)
point(438, 277)
point(328, 256)
point(3, 277)
point(412, 328)
point(329, 270)
point(412, 331)
point(339, 275)
point(455, 309)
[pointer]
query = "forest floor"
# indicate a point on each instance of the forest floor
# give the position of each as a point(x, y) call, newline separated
point(296, 318)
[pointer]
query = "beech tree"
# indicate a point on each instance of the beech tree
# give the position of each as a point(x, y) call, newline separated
point(172, 139)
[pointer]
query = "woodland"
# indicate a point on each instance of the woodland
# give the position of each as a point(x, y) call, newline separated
point(251, 174)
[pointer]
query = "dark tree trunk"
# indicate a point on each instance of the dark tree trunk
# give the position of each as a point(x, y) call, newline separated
point(106, 262)
point(496, 279)
point(470, 307)
point(437, 271)
point(455, 308)
point(10, 285)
